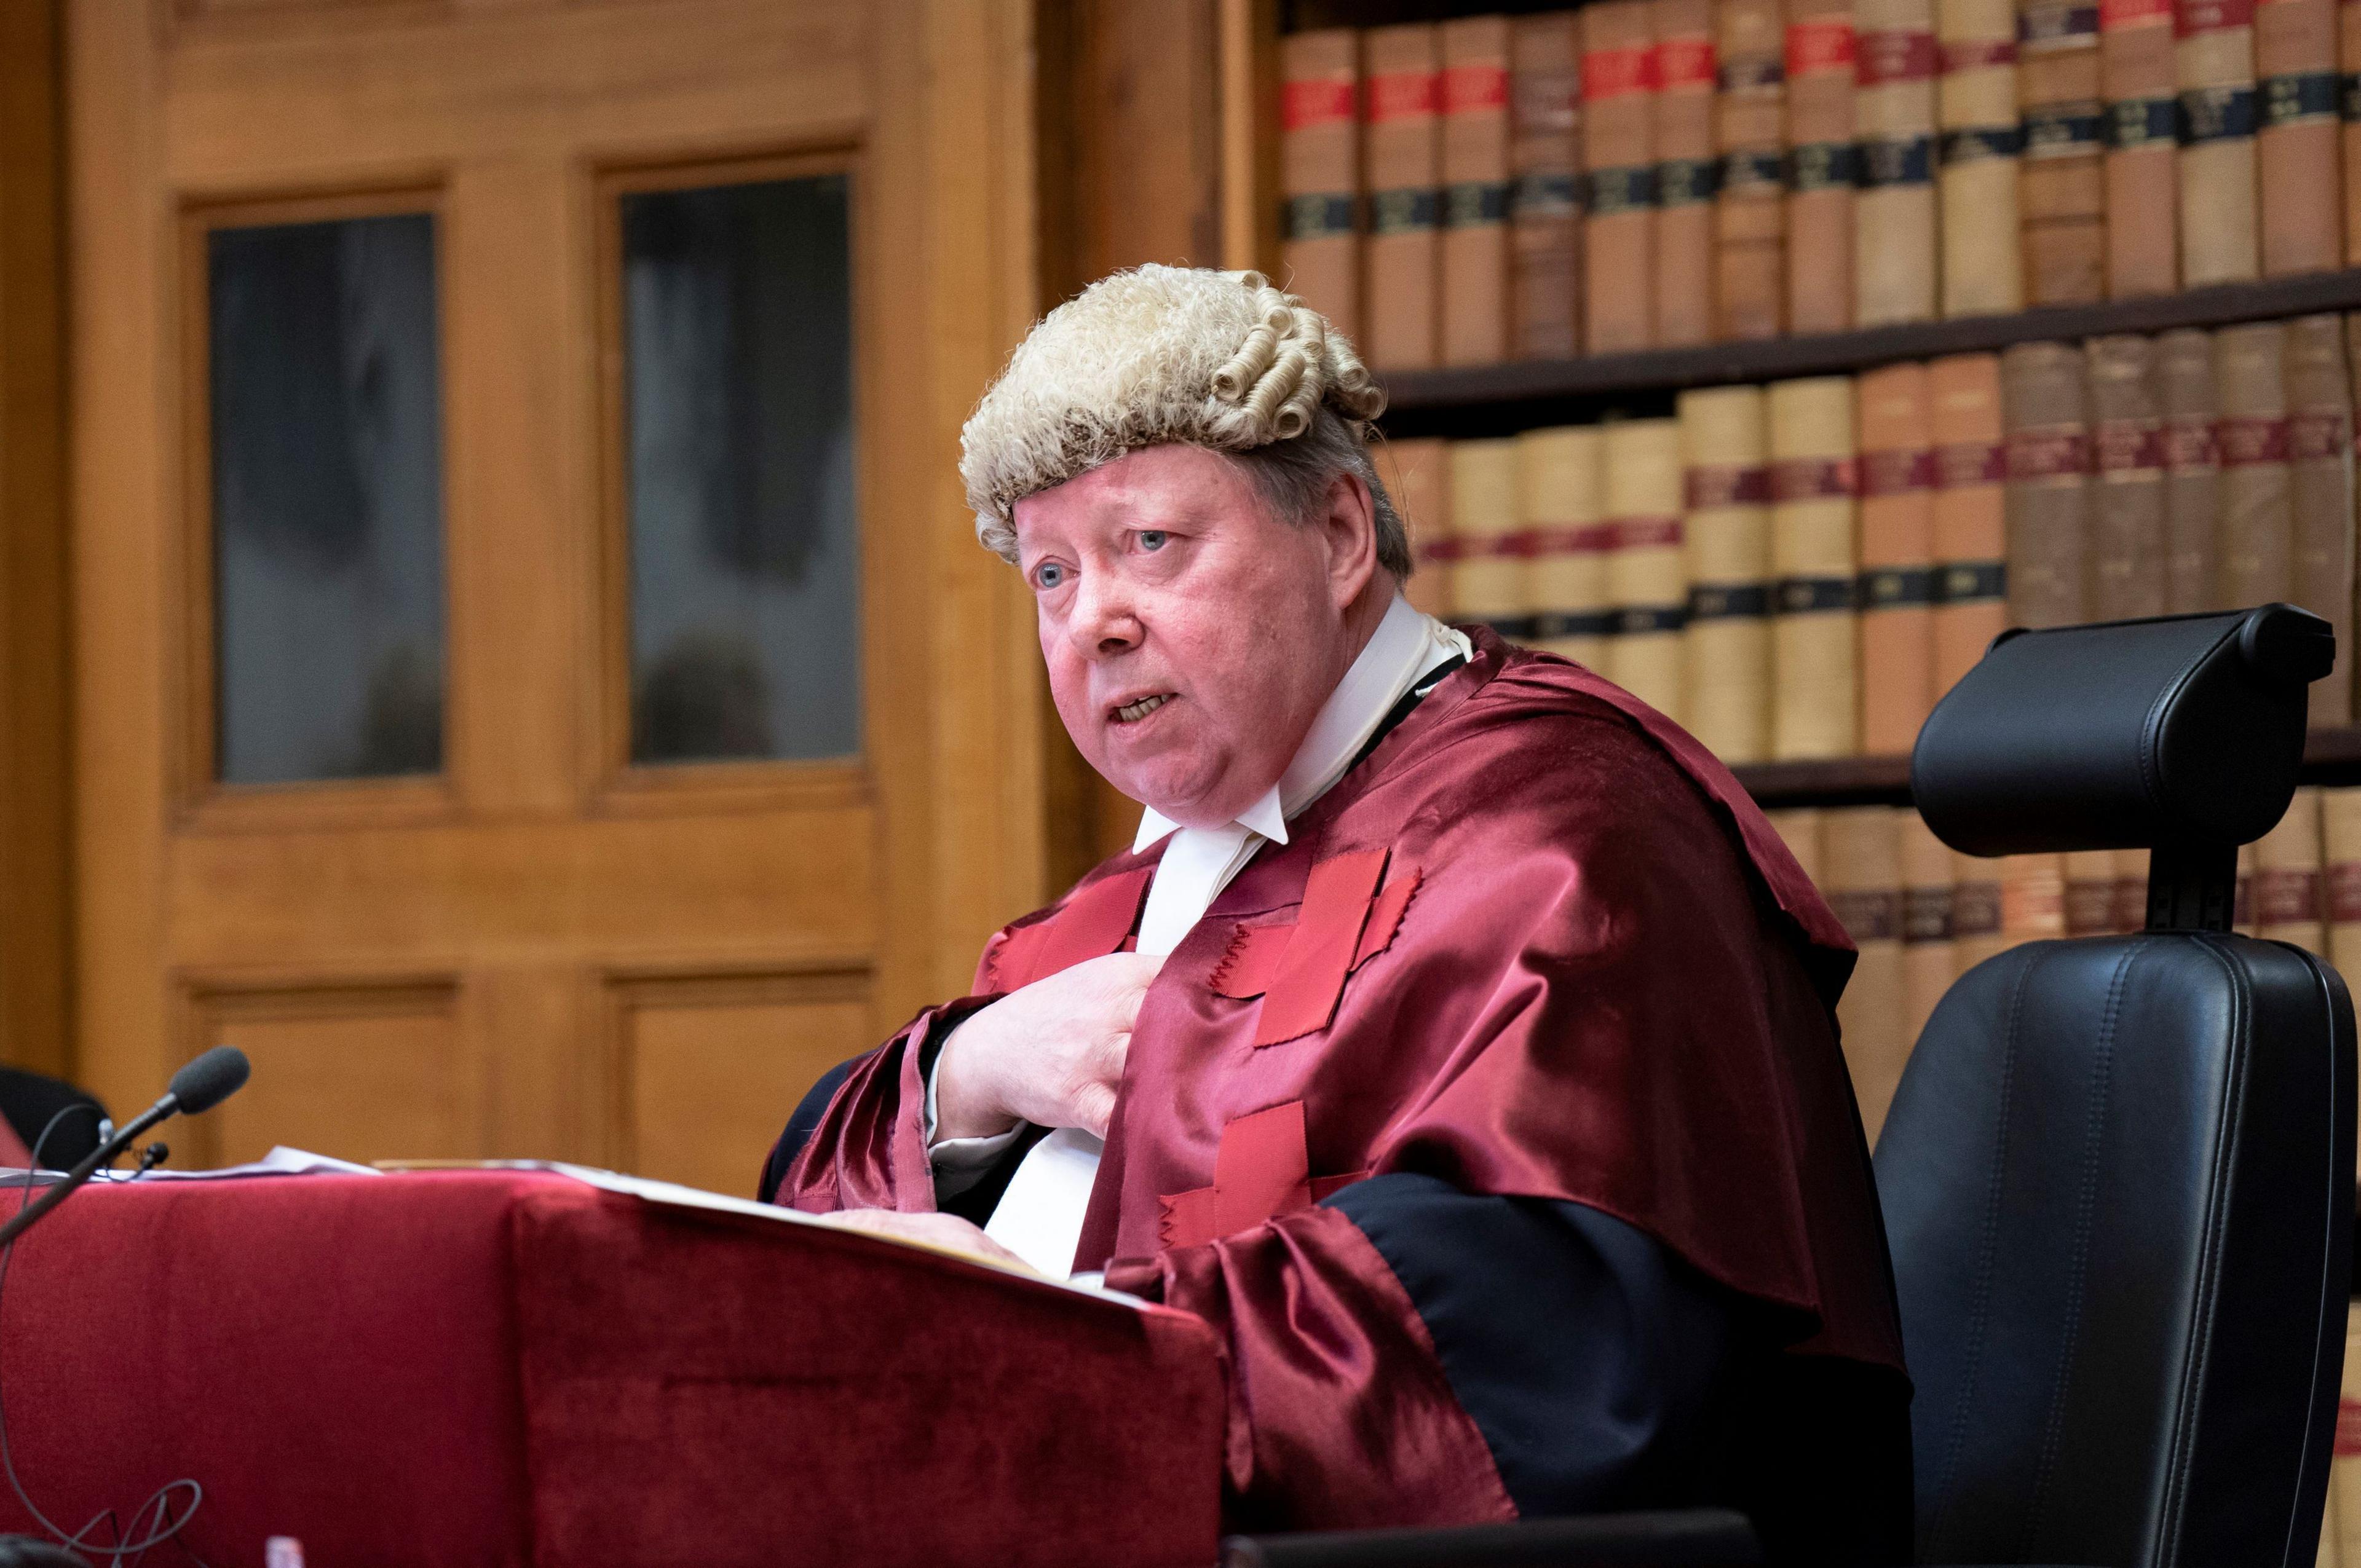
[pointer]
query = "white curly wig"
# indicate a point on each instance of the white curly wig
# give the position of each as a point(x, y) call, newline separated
point(1159, 355)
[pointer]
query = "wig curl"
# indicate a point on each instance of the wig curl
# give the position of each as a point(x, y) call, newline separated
point(1153, 356)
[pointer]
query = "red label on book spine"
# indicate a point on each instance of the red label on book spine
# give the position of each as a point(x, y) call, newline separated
point(1315, 101)
point(1573, 539)
point(2049, 454)
point(2288, 897)
point(1727, 485)
point(1685, 62)
point(1819, 43)
point(2345, 893)
point(1893, 57)
point(1896, 473)
point(1966, 464)
point(2188, 443)
point(1401, 95)
point(1441, 551)
point(1647, 532)
point(1813, 478)
point(2250, 439)
point(2191, 17)
point(2319, 436)
point(1974, 54)
point(2129, 446)
point(2114, 14)
point(1472, 89)
point(1617, 72)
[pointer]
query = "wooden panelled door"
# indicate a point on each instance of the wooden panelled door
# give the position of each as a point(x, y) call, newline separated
point(536, 690)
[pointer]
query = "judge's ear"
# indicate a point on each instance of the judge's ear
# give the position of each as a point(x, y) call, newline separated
point(1347, 521)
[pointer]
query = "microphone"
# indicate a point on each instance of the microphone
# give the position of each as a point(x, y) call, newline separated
point(200, 1086)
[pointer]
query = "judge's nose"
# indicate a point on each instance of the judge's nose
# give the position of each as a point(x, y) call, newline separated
point(1104, 622)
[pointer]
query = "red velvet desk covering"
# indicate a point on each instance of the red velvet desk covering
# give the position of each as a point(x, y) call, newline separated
point(478, 1369)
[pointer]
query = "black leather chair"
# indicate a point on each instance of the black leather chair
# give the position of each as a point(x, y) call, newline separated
point(2118, 1175)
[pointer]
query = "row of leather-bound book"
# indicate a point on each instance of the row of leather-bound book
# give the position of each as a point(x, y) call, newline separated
point(1921, 915)
point(1650, 173)
point(1800, 570)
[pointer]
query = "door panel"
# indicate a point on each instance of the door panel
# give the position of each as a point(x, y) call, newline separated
point(622, 961)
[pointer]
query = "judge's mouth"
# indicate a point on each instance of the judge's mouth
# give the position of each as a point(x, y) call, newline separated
point(1133, 712)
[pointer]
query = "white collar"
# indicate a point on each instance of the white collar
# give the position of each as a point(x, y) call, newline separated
point(1406, 644)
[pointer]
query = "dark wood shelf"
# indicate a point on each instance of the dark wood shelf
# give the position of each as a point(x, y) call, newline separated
point(2330, 757)
point(1494, 400)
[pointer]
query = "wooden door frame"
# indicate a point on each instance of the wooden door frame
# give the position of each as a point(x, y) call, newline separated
point(955, 751)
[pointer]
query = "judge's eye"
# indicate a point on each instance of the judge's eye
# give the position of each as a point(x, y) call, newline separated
point(1152, 538)
point(1048, 575)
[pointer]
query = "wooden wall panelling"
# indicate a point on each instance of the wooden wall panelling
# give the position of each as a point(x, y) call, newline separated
point(365, 1070)
point(35, 1016)
point(698, 1062)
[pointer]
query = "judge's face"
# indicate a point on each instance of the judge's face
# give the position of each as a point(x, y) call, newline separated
point(1191, 635)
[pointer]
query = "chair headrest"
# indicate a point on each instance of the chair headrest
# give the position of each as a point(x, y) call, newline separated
point(2181, 730)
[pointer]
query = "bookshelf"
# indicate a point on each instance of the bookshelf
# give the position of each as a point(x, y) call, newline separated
point(1495, 400)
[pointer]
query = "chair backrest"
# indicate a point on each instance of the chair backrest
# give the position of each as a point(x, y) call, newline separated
point(2118, 1175)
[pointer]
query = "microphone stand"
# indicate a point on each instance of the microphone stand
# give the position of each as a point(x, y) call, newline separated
point(106, 1153)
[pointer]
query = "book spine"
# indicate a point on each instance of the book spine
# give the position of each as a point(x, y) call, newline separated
point(2320, 444)
point(2032, 898)
point(1894, 75)
point(1977, 156)
point(2128, 531)
point(1563, 502)
point(1823, 165)
point(2348, 108)
point(1897, 558)
point(1405, 215)
point(1799, 829)
point(2091, 893)
point(2143, 194)
point(1726, 529)
point(1976, 928)
point(1545, 204)
point(2215, 63)
point(1816, 569)
point(2049, 467)
point(1417, 475)
point(2257, 533)
point(2301, 189)
point(2286, 891)
point(1320, 167)
point(1619, 78)
point(1687, 172)
point(1489, 584)
point(1970, 512)
point(2340, 823)
point(1750, 207)
point(1475, 128)
point(2131, 891)
point(1646, 575)
point(1930, 953)
point(2192, 471)
point(1863, 850)
point(2062, 193)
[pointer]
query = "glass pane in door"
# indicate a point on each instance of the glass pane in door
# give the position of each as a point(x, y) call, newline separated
point(327, 499)
point(745, 615)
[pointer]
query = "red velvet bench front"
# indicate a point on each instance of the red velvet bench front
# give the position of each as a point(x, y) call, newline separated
point(481, 1368)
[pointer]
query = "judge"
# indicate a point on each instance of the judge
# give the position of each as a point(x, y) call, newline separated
point(1455, 1038)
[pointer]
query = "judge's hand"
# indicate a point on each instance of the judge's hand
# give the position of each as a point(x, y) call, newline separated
point(933, 1230)
point(1051, 1053)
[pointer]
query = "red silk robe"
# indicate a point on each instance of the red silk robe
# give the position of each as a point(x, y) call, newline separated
point(1537, 943)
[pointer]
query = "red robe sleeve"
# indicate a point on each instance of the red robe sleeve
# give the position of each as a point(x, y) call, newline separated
point(869, 1150)
point(1340, 1414)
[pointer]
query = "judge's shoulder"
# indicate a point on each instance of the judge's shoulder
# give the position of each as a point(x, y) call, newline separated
point(1547, 744)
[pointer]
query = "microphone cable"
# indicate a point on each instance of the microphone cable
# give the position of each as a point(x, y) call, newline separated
point(122, 1554)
